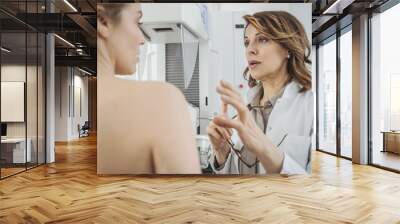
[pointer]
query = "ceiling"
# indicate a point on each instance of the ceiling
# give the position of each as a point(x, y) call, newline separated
point(332, 15)
point(76, 23)
point(72, 20)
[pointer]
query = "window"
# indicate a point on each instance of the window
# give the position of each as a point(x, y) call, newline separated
point(395, 102)
point(327, 96)
point(22, 76)
point(385, 88)
point(346, 93)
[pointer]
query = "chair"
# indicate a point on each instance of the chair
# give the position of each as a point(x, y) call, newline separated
point(84, 130)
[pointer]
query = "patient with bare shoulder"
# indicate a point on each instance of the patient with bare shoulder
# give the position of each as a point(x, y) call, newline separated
point(144, 127)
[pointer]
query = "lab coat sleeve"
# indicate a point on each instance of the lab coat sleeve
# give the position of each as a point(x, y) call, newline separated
point(291, 167)
point(297, 155)
point(229, 167)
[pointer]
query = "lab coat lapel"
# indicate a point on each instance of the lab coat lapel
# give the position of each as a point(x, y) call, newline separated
point(278, 120)
point(281, 113)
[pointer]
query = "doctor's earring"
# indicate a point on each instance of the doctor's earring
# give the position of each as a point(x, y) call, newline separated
point(288, 56)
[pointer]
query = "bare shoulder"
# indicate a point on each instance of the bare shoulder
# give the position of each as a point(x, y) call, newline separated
point(162, 105)
point(157, 107)
point(172, 132)
point(168, 90)
point(164, 96)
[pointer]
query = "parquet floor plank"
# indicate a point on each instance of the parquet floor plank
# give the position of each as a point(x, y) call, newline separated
point(70, 191)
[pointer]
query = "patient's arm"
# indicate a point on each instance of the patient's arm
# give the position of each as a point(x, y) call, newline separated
point(173, 146)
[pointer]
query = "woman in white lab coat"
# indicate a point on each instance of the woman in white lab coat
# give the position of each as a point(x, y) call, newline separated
point(272, 131)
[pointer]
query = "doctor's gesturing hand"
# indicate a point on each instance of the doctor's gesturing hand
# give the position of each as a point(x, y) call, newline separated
point(217, 137)
point(250, 134)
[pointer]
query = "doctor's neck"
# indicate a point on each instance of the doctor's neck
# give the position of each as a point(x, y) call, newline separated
point(273, 83)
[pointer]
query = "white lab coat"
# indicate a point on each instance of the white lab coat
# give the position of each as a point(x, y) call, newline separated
point(292, 115)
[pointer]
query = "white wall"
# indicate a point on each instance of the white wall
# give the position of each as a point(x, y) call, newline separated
point(33, 127)
point(80, 83)
point(221, 58)
point(204, 84)
point(14, 73)
point(301, 11)
point(69, 82)
point(62, 80)
point(160, 63)
point(17, 73)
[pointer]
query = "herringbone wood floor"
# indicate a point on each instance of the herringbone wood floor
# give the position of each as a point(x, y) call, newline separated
point(69, 191)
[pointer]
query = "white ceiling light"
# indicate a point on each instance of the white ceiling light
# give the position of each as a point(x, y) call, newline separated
point(86, 72)
point(5, 50)
point(337, 7)
point(79, 51)
point(65, 41)
point(71, 6)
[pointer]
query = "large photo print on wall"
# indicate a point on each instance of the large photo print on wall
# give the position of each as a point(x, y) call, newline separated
point(216, 88)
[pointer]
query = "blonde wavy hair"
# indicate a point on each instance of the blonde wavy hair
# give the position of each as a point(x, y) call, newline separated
point(286, 30)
